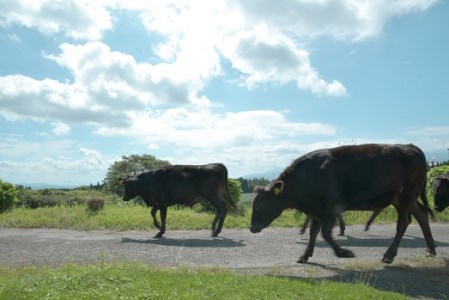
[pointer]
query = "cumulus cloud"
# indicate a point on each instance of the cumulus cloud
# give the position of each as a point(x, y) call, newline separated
point(77, 19)
point(162, 103)
point(204, 128)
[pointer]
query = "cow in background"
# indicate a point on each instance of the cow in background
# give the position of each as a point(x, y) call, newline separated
point(441, 192)
point(181, 184)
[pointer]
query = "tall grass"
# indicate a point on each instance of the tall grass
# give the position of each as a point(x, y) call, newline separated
point(130, 216)
point(138, 281)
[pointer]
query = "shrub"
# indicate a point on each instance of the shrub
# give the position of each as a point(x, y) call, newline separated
point(95, 204)
point(7, 196)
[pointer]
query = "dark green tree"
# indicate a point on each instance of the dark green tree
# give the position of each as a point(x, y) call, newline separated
point(7, 196)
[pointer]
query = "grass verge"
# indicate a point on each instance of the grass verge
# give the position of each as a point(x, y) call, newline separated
point(138, 281)
point(137, 217)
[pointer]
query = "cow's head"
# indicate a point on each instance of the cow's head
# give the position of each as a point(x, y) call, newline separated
point(267, 205)
point(441, 193)
point(129, 187)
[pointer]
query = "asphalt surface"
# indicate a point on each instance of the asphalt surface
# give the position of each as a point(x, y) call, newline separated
point(274, 251)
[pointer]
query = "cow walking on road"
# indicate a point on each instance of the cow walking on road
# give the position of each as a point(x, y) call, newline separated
point(325, 183)
point(181, 184)
point(441, 192)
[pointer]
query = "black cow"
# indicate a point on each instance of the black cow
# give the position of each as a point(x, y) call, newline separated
point(181, 184)
point(325, 183)
point(441, 192)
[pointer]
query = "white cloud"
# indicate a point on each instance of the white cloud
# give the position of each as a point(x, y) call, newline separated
point(264, 42)
point(60, 128)
point(46, 165)
point(78, 19)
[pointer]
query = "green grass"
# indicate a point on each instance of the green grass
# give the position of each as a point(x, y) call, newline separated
point(135, 217)
point(138, 281)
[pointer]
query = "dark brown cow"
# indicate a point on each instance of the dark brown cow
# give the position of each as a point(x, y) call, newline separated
point(325, 183)
point(441, 192)
point(181, 184)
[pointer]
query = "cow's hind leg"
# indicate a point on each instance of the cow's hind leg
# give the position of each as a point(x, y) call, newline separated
point(163, 219)
point(420, 214)
point(221, 211)
point(401, 227)
point(326, 230)
point(314, 230)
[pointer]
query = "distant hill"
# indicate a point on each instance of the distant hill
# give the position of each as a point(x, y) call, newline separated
point(270, 174)
point(41, 186)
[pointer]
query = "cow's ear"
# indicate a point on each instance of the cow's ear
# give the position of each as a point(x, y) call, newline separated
point(258, 188)
point(278, 186)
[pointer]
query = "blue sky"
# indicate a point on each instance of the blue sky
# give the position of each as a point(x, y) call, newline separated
point(252, 84)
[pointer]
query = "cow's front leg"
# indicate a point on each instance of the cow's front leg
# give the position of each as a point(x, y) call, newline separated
point(153, 214)
point(314, 229)
point(326, 230)
point(163, 218)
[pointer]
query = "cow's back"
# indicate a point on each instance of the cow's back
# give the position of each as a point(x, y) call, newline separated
point(358, 176)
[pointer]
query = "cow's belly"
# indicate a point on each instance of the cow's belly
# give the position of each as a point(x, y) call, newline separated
point(371, 201)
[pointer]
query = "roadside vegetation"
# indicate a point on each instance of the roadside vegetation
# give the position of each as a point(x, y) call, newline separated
point(138, 281)
point(116, 214)
point(96, 208)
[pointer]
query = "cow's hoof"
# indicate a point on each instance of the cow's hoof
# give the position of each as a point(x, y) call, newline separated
point(344, 253)
point(159, 235)
point(302, 260)
point(430, 253)
point(214, 235)
point(342, 233)
point(387, 260)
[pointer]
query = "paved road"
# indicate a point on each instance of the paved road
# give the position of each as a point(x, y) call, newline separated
point(273, 251)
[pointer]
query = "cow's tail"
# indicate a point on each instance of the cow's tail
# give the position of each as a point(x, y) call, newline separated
point(227, 188)
point(426, 201)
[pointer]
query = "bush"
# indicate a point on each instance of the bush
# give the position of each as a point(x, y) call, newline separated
point(95, 204)
point(7, 196)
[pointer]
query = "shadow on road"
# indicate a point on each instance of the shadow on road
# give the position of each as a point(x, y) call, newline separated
point(406, 242)
point(219, 242)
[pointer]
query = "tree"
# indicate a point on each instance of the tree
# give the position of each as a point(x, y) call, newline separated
point(130, 165)
point(7, 196)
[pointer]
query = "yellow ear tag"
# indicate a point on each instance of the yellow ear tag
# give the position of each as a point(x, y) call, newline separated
point(276, 191)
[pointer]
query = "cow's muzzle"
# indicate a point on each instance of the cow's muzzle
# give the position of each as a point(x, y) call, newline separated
point(255, 229)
